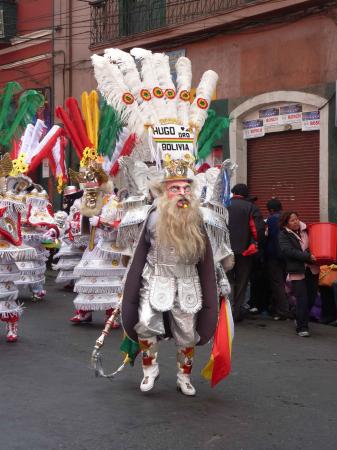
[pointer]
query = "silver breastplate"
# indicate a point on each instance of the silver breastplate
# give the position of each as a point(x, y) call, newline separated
point(167, 263)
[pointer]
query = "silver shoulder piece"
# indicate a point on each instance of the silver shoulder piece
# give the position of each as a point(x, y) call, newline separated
point(131, 225)
point(218, 234)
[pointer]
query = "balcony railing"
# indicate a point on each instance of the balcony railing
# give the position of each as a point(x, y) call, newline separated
point(115, 20)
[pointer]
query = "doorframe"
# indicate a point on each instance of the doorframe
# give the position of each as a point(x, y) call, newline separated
point(238, 145)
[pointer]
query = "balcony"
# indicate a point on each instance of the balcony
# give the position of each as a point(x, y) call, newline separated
point(115, 21)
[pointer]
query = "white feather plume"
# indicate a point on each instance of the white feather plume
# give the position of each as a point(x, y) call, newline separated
point(122, 138)
point(111, 85)
point(205, 90)
point(36, 150)
point(184, 81)
point(128, 68)
point(39, 129)
point(163, 71)
point(30, 145)
point(26, 138)
point(149, 77)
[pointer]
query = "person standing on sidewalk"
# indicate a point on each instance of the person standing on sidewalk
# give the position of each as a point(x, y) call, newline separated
point(294, 244)
point(275, 263)
point(245, 225)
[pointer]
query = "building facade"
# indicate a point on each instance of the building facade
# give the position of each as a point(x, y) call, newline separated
point(277, 69)
point(26, 47)
point(277, 66)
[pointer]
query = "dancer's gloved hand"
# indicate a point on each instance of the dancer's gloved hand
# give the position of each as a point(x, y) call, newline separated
point(49, 235)
point(94, 221)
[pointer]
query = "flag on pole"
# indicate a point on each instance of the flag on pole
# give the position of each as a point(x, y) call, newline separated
point(219, 364)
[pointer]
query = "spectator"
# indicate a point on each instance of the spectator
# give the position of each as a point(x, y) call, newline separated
point(244, 224)
point(294, 245)
point(275, 263)
point(258, 289)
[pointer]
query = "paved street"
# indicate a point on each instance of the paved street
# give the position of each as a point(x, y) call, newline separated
point(281, 393)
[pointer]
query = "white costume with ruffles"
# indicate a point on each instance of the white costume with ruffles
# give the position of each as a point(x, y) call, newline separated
point(72, 246)
point(37, 220)
point(100, 270)
point(12, 253)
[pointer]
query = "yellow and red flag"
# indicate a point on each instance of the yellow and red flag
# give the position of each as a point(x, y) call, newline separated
point(219, 364)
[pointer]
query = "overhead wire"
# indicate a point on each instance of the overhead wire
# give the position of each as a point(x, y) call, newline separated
point(88, 27)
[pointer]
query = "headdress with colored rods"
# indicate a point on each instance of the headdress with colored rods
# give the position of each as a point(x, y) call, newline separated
point(96, 133)
point(36, 145)
point(150, 101)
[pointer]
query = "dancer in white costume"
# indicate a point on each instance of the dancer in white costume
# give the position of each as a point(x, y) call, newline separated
point(11, 251)
point(37, 218)
point(100, 270)
point(72, 248)
point(39, 227)
point(99, 139)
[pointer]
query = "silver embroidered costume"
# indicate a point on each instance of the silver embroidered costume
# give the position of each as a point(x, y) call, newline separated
point(168, 284)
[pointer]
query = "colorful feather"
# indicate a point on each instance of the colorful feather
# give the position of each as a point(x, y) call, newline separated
point(87, 115)
point(77, 119)
point(28, 104)
point(71, 130)
point(126, 151)
point(45, 147)
point(210, 133)
point(94, 108)
point(6, 97)
point(109, 127)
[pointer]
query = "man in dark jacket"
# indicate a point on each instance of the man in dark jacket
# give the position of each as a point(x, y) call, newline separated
point(245, 227)
point(275, 262)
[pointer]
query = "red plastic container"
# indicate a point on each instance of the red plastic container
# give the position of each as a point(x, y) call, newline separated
point(323, 241)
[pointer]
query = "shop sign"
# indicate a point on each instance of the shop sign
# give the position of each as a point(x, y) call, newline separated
point(253, 129)
point(269, 112)
point(290, 118)
point(270, 116)
point(310, 121)
point(291, 109)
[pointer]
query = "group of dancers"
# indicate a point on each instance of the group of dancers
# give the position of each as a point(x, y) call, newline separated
point(141, 235)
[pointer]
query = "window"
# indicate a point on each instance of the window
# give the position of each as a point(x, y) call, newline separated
point(2, 25)
point(137, 16)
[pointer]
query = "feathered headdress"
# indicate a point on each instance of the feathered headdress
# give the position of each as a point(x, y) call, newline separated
point(16, 114)
point(36, 145)
point(97, 135)
point(151, 105)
